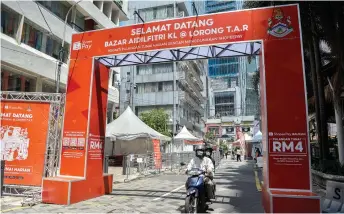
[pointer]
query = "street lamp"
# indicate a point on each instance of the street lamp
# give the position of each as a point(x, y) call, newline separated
point(62, 47)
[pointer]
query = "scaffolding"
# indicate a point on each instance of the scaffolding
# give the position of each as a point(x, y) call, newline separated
point(32, 194)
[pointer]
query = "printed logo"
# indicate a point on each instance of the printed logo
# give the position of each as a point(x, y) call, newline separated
point(271, 134)
point(82, 45)
point(76, 46)
point(279, 25)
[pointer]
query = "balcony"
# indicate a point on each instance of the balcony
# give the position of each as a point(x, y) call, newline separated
point(119, 3)
point(161, 77)
point(154, 98)
point(188, 83)
point(186, 98)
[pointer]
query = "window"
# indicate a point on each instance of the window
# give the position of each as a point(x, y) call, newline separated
point(9, 21)
point(79, 22)
point(32, 36)
point(16, 82)
point(160, 86)
point(114, 78)
point(157, 13)
point(53, 47)
point(59, 8)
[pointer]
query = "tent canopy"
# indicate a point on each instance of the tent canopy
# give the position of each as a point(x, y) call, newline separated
point(184, 134)
point(129, 127)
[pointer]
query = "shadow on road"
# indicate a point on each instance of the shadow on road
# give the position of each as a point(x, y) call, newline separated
point(237, 191)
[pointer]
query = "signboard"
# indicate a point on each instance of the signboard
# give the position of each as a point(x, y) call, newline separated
point(289, 151)
point(335, 191)
point(246, 129)
point(24, 129)
point(157, 153)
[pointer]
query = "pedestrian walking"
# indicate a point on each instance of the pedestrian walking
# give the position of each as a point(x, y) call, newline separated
point(238, 153)
point(226, 154)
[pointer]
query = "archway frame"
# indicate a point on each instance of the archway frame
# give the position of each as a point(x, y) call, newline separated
point(287, 177)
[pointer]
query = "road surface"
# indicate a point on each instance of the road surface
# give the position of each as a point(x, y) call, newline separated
point(237, 191)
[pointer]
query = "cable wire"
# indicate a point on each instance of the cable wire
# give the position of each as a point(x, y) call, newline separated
point(44, 17)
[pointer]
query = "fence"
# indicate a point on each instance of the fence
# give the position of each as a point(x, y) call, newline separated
point(143, 165)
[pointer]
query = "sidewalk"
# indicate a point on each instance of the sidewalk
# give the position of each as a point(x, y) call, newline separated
point(315, 188)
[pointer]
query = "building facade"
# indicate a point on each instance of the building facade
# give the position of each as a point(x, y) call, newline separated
point(225, 128)
point(177, 87)
point(31, 38)
point(231, 92)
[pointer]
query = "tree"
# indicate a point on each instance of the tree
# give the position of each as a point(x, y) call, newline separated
point(157, 120)
point(210, 137)
point(223, 146)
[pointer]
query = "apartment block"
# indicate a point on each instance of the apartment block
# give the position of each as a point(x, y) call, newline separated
point(168, 84)
point(31, 38)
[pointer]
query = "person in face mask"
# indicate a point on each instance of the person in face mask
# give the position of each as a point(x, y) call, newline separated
point(206, 164)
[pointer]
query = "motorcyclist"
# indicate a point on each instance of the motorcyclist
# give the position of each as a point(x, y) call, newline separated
point(204, 163)
point(209, 154)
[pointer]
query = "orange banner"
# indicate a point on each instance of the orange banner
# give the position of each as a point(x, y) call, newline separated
point(193, 142)
point(157, 153)
point(73, 160)
point(97, 121)
point(24, 128)
point(183, 32)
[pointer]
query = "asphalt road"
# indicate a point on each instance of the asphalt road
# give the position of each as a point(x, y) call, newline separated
point(236, 192)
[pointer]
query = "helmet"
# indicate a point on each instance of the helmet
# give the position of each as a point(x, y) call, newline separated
point(209, 151)
point(200, 151)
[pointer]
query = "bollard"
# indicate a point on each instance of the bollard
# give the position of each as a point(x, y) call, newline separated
point(106, 164)
point(2, 176)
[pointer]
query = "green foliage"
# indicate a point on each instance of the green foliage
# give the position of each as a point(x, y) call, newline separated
point(157, 120)
point(329, 167)
point(223, 146)
point(210, 137)
point(114, 115)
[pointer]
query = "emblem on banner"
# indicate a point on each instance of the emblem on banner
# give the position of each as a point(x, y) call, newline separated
point(279, 24)
point(29, 108)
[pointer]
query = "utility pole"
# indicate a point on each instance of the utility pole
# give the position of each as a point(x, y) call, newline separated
point(174, 89)
point(62, 49)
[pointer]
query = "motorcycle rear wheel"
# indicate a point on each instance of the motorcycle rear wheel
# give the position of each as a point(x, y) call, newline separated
point(191, 203)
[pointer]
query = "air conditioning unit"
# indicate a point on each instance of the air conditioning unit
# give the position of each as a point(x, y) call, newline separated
point(181, 14)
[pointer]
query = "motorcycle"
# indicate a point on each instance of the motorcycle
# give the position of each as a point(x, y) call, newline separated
point(196, 197)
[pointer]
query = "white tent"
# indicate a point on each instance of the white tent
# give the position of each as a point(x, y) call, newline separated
point(129, 127)
point(184, 134)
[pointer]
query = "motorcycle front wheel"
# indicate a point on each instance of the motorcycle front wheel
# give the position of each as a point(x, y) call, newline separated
point(191, 204)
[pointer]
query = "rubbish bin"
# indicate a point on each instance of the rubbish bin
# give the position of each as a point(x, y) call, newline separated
point(2, 176)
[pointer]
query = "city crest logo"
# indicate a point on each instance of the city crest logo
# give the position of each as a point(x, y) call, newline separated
point(279, 24)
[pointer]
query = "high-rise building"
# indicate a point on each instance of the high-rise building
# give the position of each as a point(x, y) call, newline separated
point(146, 87)
point(31, 37)
point(227, 75)
point(199, 6)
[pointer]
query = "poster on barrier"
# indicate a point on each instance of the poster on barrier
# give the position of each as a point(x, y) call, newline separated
point(157, 153)
point(23, 136)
